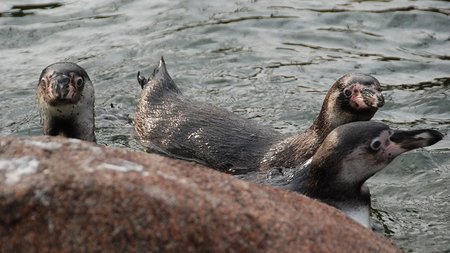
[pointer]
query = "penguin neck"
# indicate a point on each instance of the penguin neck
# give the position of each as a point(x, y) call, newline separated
point(72, 121)
point(324, 123)
point(359, 208)
point(297, 149)
point(321, 184)
point(327, 120)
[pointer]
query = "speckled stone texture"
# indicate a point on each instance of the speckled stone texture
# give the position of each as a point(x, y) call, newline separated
point(65, 195)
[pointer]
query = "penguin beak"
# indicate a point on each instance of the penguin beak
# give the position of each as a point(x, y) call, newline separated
point(372, 98)
point(402, 141)
point(60, 86)
point(416, 138)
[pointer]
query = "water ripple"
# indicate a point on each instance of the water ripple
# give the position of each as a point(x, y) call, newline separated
point(389, 10)
point(440, 82)
point(22, 10)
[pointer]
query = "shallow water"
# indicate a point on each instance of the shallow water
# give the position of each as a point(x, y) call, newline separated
point(272, 62)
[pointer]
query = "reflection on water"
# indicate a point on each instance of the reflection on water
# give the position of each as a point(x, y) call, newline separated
point(272, 62)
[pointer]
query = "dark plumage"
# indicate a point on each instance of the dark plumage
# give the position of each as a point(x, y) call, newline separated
point(170, 123)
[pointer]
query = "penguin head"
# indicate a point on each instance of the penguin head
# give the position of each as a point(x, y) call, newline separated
point(353, 97)
point(354, 152)
point(64, 83)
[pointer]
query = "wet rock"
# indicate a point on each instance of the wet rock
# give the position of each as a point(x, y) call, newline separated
point(59, 195)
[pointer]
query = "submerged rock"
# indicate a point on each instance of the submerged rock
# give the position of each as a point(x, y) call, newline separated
point(59, 195)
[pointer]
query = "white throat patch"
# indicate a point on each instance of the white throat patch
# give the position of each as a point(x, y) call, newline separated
point(359, 214)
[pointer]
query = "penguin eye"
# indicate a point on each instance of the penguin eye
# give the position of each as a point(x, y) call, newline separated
point(43, 82)
point(375, 145)
point(80, 82)
point(347, 92)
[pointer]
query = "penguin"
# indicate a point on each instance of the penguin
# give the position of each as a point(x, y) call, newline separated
point(346, 159)
point(66, 99)
point(171, 124)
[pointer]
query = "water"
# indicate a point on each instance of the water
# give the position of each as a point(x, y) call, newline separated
point(272, 62)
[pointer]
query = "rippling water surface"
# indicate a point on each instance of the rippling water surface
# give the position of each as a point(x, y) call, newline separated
point(271, 61)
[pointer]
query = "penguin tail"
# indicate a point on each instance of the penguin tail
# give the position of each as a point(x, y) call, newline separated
point(160, 77)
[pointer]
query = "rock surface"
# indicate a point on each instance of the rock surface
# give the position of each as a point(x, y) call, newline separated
point(59, 195)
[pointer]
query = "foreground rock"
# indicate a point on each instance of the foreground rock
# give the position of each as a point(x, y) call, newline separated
point(59, 195)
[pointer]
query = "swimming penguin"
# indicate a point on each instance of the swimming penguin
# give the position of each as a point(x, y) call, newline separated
point(66, 101)
point(351, 154)
point(172, 124)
